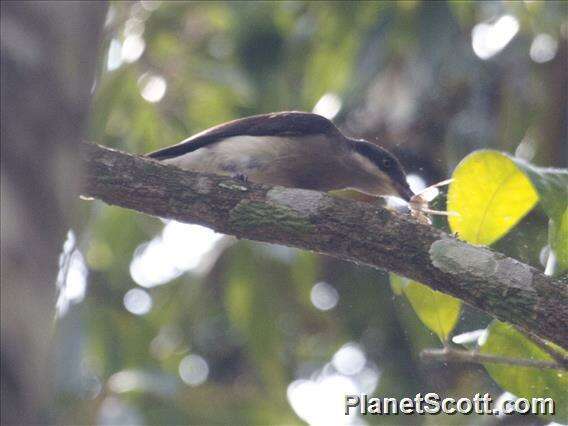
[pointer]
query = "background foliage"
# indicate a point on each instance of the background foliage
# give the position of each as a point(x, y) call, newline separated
point(163, 323)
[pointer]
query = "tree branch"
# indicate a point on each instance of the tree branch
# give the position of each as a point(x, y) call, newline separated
point(463, 356)
point(547, 347)
point(359, 232)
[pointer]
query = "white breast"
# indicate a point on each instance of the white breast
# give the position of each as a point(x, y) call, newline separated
point(248, 154)
point(238, 154)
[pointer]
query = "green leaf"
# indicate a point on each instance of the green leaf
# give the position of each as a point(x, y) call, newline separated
point(524, 382)
point(438, 311)
point(559, 241)
point(490, 195)
point(551, 185)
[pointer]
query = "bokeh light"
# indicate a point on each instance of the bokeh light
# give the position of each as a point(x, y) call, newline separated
point(328, 106)
point(132, 48)
point(324, 296)
point(350, 359)
point(320, 398)
point(114, 57)
point(193, 370)
point(137, 380)
point(488, 39)
point(137, 301)
point(72, 275)
point(115, 411)
point(543, 48)
point(134, 27)
point(152, 87)
point(178, 249)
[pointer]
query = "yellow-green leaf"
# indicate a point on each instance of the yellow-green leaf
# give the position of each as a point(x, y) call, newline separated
point(524, 382)
point(398, 283)
point(490, 195)
point(438, 311)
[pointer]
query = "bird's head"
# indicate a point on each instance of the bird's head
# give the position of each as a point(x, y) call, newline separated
point(388, 174)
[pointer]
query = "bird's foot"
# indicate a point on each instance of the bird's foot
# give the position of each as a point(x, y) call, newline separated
point(241, 177)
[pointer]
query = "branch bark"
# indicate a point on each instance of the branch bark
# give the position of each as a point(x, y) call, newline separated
point(359, 232)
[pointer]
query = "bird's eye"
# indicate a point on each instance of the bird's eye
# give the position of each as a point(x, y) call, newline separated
point(387, 163)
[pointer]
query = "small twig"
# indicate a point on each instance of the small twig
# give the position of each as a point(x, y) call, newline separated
point(459, 355)
point(543, 344)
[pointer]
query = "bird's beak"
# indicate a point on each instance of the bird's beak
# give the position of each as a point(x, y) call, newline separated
point(404, 191)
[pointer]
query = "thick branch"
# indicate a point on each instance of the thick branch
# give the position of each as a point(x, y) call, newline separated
point(359, 232)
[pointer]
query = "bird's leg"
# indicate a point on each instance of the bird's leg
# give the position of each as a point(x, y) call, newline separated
point(241, 177)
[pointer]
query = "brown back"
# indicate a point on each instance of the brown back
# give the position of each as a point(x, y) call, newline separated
point(286, 123)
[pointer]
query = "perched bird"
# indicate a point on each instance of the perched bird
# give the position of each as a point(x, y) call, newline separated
point(292, 149)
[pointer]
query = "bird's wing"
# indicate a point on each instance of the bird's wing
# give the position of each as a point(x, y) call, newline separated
point(288, 123)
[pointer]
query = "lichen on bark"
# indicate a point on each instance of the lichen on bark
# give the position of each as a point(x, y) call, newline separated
point(252, 215)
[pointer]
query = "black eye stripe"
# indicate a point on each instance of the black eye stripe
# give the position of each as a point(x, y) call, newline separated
point(377, 155)
point(382, 159)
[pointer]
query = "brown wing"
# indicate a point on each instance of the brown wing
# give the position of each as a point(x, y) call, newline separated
point(287, 123)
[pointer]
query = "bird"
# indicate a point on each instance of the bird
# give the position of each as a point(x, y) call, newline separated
point(291, 149)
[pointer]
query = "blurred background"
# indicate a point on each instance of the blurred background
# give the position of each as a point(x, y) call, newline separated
point(166, 323)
